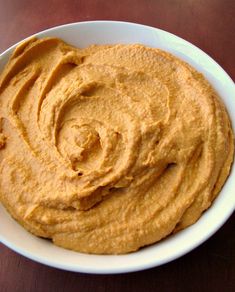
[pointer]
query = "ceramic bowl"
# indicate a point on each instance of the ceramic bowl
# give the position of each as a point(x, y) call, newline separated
point(111, 32)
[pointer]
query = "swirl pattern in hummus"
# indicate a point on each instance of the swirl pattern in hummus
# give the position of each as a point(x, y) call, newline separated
point(109, 148)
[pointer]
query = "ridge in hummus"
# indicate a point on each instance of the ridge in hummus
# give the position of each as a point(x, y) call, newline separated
point(109, 148)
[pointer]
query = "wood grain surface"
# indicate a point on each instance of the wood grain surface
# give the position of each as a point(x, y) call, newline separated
point(210, 25)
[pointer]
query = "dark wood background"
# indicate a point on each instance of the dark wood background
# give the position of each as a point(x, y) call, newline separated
point(210, 25)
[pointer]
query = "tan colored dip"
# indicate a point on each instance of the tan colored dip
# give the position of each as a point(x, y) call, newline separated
point(109, 148)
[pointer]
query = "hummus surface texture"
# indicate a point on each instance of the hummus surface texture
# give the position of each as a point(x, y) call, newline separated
point(109, 148)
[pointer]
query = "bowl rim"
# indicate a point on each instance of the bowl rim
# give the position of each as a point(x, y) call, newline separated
point(152, 262)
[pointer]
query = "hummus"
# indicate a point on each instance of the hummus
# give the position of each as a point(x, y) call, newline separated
point(109, 148)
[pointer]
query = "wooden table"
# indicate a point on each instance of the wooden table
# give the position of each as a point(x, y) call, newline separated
point(209, 24)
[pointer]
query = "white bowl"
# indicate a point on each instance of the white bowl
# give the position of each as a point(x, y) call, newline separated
point(109, 32)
